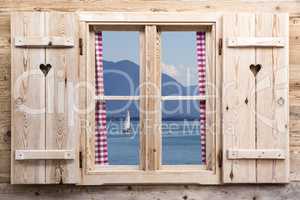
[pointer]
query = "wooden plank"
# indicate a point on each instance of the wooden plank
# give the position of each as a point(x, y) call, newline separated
point(261, 154)
point(211, 91)
point(201, 27)
point(146, 17)
point(167, 176)
point(291, 6)
point(62, 121)
point(45, 155)
point(152, 93)
point(85, 125)
point(238, 99)
point(256, 42)
point(294, 93)
point(217, 140)
point(143, 148)
point(272, 98)
point(89, 94)
point(54, 41)
point(150, 192)
point(27, 100)
point(98, 26)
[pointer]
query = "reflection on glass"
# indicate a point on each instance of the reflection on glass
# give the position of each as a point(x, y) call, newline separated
point(179, 64)
point(181, 143)
point(123, 132)
point(121, 62)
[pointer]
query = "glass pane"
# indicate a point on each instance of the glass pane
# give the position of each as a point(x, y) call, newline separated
point(179, 64)
point(122, 126)
point(181, 136)
point(121, 62)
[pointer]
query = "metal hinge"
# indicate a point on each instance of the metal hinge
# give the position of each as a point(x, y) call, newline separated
point(220, 46)
point(220, 158)
point(80, 46)
point(80, 159)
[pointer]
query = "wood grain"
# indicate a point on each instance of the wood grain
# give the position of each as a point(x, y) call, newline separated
point(48, 42)
point(269, 105)
point(28, 99)
point(252, 154)
point(238, 99)
point(181, 6)
point(62, 122)
point(256, 42)
point(152, 89)
point(57, 128)
point(291, 6)
point(272, 98)
point(44, 155)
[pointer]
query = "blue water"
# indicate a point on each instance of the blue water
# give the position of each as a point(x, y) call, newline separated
point(180, 143)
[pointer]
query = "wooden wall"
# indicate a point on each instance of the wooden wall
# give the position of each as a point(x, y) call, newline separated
point(290, 192)
point(291, 6)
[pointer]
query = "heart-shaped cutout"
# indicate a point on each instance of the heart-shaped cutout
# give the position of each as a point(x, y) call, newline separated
point(45, 68)
point(255, 68)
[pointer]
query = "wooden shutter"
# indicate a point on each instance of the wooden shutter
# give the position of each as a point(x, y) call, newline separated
point(45, 125)
point(255, 107)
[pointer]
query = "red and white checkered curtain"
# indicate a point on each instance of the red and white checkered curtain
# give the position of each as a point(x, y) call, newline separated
point(101, 153)
point(201, 61)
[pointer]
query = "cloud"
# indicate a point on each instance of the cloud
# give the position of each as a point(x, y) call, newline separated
point(169, 70)
point(186, 75)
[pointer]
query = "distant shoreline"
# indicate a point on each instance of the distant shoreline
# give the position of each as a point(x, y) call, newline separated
point(164, 119)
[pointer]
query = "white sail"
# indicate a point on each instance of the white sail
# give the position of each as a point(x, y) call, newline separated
point(127, 124)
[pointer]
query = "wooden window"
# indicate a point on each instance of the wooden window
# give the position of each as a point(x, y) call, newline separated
point(151, 168)
point(54, 98)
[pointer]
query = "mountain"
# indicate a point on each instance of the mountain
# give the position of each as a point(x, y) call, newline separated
point(122, 79)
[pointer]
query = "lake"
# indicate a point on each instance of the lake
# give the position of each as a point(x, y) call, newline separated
point(180, 143)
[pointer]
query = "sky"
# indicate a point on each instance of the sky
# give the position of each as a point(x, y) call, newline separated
point(178, 52)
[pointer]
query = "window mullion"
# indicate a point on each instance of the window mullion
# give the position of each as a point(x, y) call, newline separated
point(143, 150)
point(150, 99)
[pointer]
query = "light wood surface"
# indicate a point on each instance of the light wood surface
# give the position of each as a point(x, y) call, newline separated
point(152, 89)
point(265, 97)
point(44, 41)
point(259, 154)
point(238, 85)
point(62, 123)
point(44, 155)
point(272, 98)
point(146, 17)
point(256, 42)
point(150, 192)
point(56, 127)
point(181, 6)
point(28, 99)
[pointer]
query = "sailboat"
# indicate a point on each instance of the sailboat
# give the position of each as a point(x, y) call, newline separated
point(127, 124)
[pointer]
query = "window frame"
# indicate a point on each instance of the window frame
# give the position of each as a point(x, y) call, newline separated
point(92, 99)
point(210, 105)
point(150, 170)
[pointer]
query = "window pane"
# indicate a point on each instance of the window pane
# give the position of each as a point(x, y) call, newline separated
point(121, 62)
point(122, 129)
point(179, 64)
point(181, 133)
